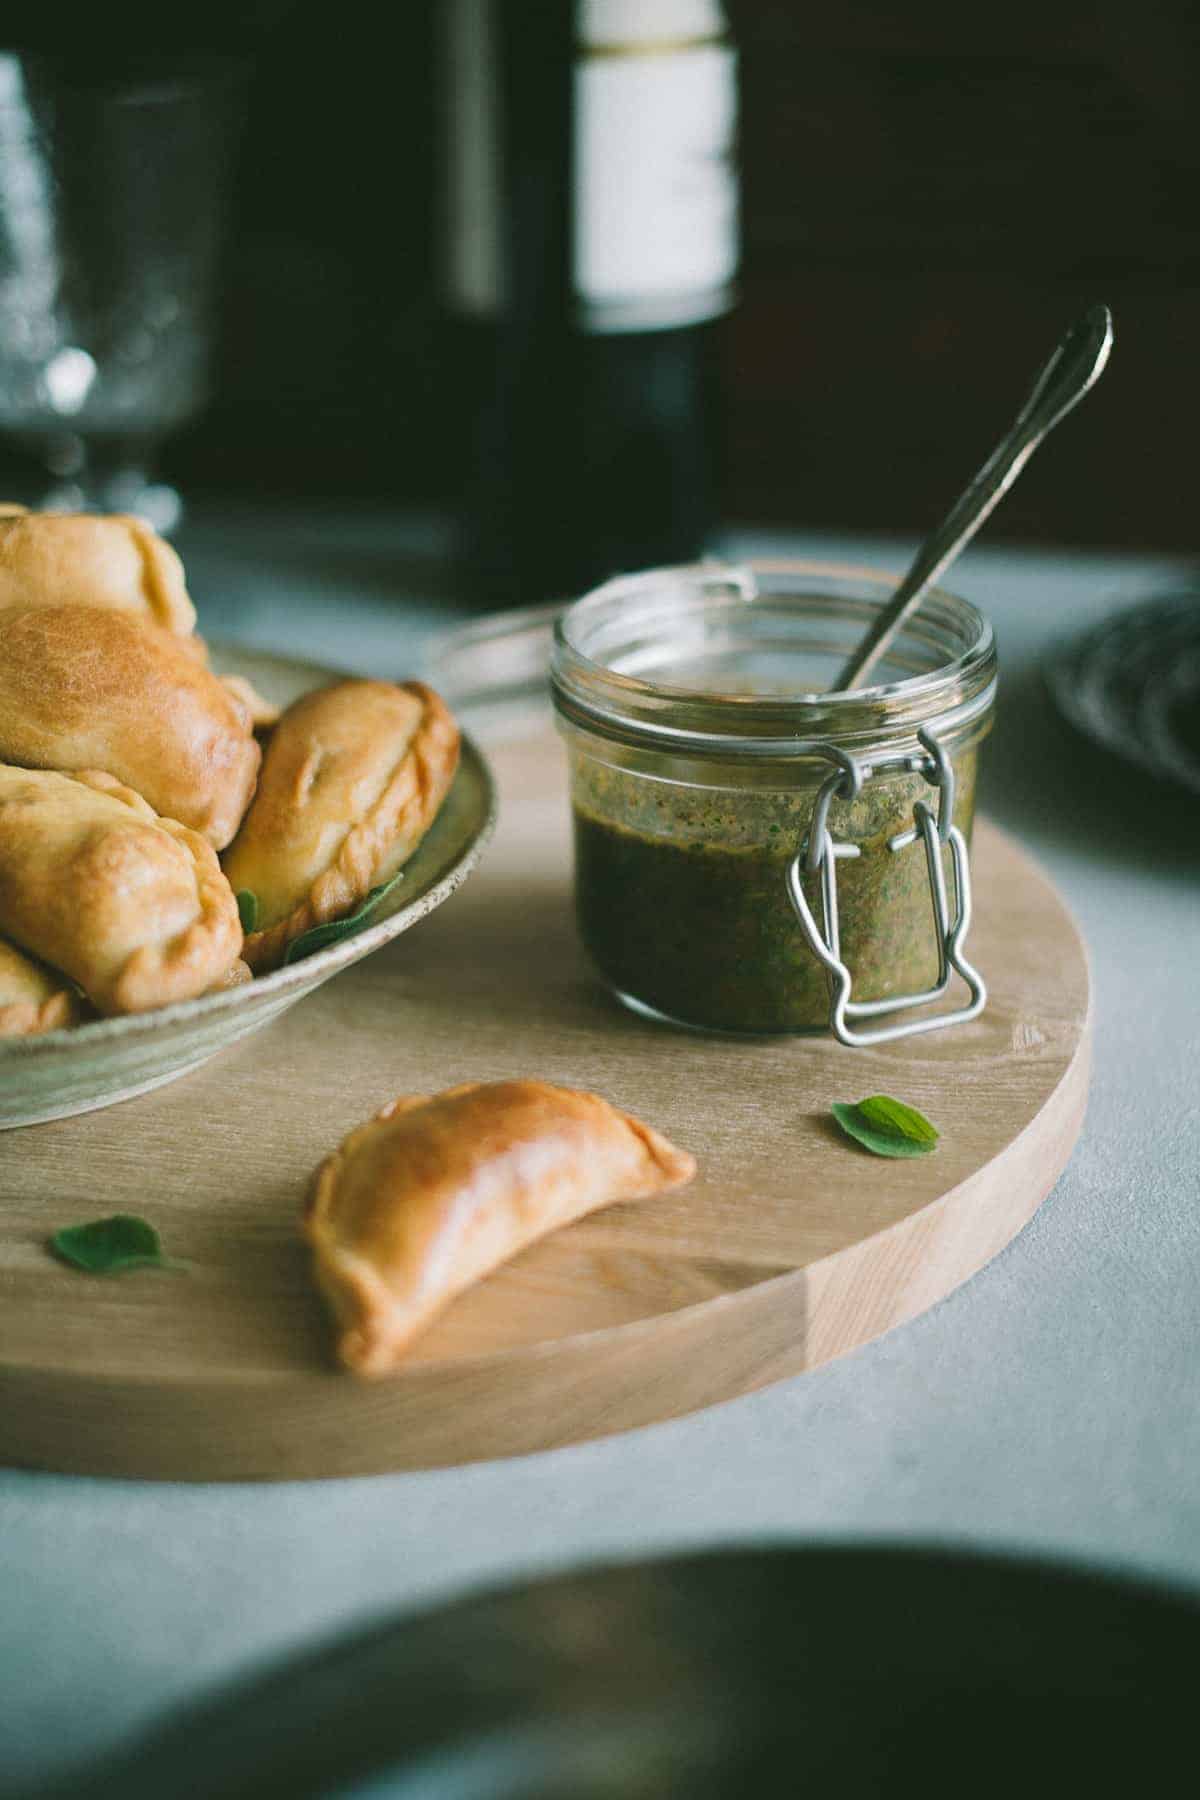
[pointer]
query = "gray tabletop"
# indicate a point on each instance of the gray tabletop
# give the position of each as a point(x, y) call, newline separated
point(1047, 1406)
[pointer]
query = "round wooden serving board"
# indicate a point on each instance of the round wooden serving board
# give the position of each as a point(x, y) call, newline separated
point(790, 1247)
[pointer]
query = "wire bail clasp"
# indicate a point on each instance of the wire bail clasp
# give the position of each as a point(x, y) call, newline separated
point(819, 855)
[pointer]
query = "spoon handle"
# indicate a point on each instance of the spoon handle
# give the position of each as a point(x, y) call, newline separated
point(1075, 365)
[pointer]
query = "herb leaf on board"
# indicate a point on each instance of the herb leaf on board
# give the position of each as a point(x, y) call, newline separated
point(247, 905)
point(321, 936)
point(109, 1246)
point(886, 1127)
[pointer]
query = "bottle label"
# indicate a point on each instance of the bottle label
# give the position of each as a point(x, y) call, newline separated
point(656, 212)
point(655, 204)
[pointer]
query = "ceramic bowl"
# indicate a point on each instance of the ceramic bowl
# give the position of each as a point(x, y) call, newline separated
point(66, 1072)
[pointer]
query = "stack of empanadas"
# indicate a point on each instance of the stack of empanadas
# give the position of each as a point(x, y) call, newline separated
point(127, 765)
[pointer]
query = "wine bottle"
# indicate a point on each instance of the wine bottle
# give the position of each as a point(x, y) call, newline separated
point(592, 243)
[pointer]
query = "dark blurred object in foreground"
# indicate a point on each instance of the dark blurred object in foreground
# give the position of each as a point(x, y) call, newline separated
point(856, 1672)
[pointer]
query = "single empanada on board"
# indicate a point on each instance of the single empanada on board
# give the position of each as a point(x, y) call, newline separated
point(33, 998)
point(86, 688)
point(111, 560)
point(434, 1192)
point(352, 778)
point(133, 908)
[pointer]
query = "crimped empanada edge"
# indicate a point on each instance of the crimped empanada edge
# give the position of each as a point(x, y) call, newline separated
point(359, 1300)
point(164, 584)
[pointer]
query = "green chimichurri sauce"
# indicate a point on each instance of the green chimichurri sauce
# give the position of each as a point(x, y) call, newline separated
point(683, 905)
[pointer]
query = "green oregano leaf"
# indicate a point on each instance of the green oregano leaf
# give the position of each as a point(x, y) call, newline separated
point(109, 1246)
point(247, 905)
point(887, 1114)
point(321, 936)
point(886, 1127)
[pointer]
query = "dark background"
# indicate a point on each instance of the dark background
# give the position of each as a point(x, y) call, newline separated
point(930, 194)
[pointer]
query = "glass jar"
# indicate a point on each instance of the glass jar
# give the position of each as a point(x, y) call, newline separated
point(754, 853)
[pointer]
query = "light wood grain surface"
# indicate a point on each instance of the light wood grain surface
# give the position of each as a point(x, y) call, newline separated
point(791, 1246)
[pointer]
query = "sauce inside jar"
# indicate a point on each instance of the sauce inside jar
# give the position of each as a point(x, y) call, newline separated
point(683, 906)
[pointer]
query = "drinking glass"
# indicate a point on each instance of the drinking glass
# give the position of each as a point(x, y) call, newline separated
point(114, 194)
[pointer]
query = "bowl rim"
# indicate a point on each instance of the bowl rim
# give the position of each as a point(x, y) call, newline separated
point(294, 978)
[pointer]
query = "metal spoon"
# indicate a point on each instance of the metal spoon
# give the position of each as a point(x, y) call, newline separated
point(1066, 378)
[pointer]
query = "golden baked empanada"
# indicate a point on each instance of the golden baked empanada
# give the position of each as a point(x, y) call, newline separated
point(434, 1192)
point(85, 688)
point(114, 561)
point(32, 998)
point(133, 908)
point(352, 778)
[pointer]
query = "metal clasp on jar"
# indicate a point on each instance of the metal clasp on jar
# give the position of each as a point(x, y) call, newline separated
point(819, 855)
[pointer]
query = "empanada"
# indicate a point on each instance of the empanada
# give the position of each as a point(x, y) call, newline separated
point(133, 908)
point(85, 688)
point(33, 998)
point(114, 561)
point(352, 778)
point(434, 1192)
